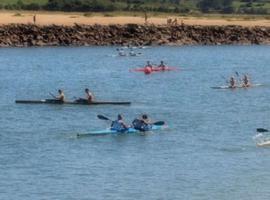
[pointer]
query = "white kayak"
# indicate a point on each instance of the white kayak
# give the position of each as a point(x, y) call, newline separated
point(263, 143)
point(237, 87)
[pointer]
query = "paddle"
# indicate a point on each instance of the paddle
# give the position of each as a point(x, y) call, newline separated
point(239, 78)
point(103, 117)
point(159, 123)
point(261, 130)
point(52, 95)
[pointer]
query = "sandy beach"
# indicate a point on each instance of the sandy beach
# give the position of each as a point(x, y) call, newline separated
point(68, 19)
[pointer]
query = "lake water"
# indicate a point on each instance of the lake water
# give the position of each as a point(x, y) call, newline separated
point(208, 151)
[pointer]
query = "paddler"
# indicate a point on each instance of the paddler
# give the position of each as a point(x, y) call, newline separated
point(232, 82)
point(132, 53)
point(148, 64)
point(246, 82)
point(121, 52)
point(148, 68)
point(61, 96)
point(142, 124)
point(89, 95)
point(162, 66)
point(119, 124)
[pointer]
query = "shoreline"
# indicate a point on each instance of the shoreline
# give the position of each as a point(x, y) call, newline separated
point(45, 18)
point(21, 35)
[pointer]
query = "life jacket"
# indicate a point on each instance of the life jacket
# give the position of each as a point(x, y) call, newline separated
point(117, 125)
point(141, 125)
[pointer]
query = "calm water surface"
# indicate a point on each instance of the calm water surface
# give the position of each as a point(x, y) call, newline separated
point(207, 152)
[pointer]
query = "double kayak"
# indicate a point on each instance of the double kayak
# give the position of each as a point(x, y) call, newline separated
point(237, 87)
point(148, 70)
point(54, 101)
point(127, 131)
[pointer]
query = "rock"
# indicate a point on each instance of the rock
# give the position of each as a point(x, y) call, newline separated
point(133, 34)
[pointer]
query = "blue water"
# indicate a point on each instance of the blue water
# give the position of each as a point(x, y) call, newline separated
point(207, 152)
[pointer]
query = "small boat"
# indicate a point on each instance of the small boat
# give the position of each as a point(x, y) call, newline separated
point(237, 87)
point(128, 131)
point(54, 101)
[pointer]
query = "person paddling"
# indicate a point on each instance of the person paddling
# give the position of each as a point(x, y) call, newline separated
point(246, 81)
point(89, 95)
point(142, 124)
point(121, 52)
point(148, 68)
point(232, 82)
point(61, 96)
point(162, 66)
point(132, 53)
point(148, 65)
point(119, 124)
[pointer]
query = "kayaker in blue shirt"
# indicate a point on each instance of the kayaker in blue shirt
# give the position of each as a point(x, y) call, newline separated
point(119, 124)
point(142, 124)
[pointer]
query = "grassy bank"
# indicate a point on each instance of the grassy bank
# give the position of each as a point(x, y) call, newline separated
point(261, 7)
point(142, 14)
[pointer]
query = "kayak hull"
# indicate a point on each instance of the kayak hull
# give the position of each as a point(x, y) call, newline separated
point(155, 69)
point(52, 101)
point(237, 87)
point(263, 144)
point(115, 132)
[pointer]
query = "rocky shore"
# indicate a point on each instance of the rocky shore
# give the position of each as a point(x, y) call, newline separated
point(21, 35)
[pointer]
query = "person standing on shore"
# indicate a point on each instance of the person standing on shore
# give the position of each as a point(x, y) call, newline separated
point(145, 17)
point(34, 19)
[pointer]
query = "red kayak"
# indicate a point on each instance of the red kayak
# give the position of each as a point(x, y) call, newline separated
point(148, 70)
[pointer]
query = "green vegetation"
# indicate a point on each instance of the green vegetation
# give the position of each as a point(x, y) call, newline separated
point(168, 6)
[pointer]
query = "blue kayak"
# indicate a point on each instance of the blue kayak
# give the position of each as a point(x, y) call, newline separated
point(127, 131)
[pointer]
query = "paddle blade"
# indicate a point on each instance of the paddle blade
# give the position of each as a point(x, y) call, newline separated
point(52, 95)
point(159, 123)
point(102, 117)
point(261, 130)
